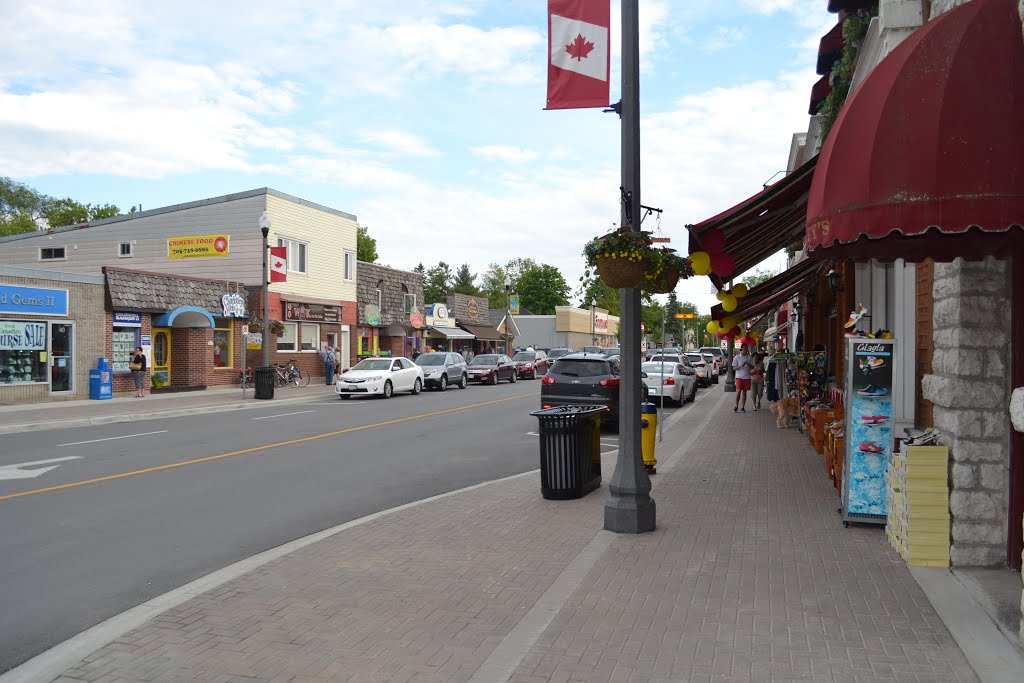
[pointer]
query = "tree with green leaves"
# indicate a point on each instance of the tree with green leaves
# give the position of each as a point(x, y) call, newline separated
point(758, 277)
point(21, 207)
point(67, 211)
point(465, 281)
point(651, 313)
point(366, 246)
point(541, 288)
point(597, 292)
point(492, 286)
point(437, 283)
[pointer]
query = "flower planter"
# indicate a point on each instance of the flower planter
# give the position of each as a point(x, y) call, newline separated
point(620, 273)
point(664, 283)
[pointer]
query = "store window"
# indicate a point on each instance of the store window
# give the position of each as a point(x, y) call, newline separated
point(51, 253)
point(367, 341)
point(296, 254)
point(126, 339)
point(310, 337)
point(288, 340)
point(223, 342)
point(22, 352)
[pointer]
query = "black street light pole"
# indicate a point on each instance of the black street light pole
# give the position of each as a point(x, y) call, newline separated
point(593, 323)
point(508, 315)
point(265, 229)
point(629, 507)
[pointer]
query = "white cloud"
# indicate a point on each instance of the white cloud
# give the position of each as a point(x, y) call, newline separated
point(400, 141)
point(724, 37)
point(507, 153)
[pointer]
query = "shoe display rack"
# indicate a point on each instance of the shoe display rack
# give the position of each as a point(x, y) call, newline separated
point(917, 505)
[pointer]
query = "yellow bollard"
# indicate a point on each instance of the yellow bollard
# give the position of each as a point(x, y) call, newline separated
point(648, 434)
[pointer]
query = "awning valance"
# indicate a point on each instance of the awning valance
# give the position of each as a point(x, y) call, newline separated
point(452, 332)
point(482, 332)
point(772, 293)
point(926, 159)
point(830, 48)
point(761, 225)
point(820, 90)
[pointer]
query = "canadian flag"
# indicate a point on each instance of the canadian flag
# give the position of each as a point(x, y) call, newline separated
point(579, 48)
point(278, 264)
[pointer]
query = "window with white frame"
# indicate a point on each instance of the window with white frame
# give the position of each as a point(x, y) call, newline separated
point(51, 253)
point(124, 249)
point(287, 341)
point(296, 254)
point(410, 303)
point(309, 337)
point(350, 265)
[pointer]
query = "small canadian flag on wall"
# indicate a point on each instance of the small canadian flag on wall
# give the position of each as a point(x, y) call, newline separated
point(279, 264)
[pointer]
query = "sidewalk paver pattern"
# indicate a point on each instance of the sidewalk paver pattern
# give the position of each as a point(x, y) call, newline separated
point(749, 576)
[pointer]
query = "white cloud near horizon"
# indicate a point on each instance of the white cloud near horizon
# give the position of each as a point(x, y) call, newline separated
point(507, 153)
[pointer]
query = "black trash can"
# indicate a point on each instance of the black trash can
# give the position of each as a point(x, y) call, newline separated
point(263, 378)
point(570, 451)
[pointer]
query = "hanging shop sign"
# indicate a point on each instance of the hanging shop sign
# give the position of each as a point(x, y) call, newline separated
point(127, 319)
point(372, 315)
point(15, 299)
point(869, 373)
point(234, 305)
point(472, 309)
point(513, 304)
point(416, 319)
point(253, 341)
point(198, 246)
point(312, 312)
point(22, 336)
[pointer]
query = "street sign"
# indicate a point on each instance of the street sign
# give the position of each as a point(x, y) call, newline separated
point(686, 316)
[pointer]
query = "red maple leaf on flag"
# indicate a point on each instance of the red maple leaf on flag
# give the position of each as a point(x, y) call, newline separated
point(579, 48)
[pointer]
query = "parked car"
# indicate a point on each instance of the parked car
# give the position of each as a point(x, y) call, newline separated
point(674, 381)
point(531, 364)
point(585, 380)
point(441, 369)
point(558, 352)
point(704, 365)
point(717, 364)
point(718, 354)
point(599, 350)
point(612, 351)
point(659, 352)
point(380, 377)
point(490, 368)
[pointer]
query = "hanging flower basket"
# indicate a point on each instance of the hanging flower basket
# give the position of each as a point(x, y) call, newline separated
point(618, 258)
point(255, 326)
point(663, 270)
point(276, 327)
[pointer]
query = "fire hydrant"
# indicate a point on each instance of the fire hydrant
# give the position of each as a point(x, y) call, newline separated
point(648, 433)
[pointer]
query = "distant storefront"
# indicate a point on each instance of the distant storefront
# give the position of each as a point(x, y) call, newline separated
point(442, 333)
point(390, 315)
point(570, 327)
point(473, 316)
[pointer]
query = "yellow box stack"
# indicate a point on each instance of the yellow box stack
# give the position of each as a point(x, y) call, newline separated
point(917, 505)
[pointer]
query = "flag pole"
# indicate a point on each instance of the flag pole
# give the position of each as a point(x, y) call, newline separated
point(629, 507)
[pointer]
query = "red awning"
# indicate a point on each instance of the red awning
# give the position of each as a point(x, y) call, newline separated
point(819, 92)
point(759, 226)
point(830, 48)
point(772, 293)
point(850, 5)
point(928, 152)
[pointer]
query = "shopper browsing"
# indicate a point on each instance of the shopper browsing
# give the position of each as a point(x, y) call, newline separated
point(757, 380)
point(742, 364)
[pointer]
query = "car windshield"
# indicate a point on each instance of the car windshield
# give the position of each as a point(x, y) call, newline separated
point(581, 368)
point(592, 349)
point(667, 359)
point(612, 352)
point(695, 357)
point(524, 355)
point(430, 359)
point(656, 367)
point(373, 364)
point(485, 360)
point(558, 353)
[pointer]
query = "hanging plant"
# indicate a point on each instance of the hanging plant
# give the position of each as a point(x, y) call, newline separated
point(663, 270)
point(255, 326)
point(618, 258)
point(276, 327)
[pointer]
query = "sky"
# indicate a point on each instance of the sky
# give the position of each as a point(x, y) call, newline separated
point(424, 118)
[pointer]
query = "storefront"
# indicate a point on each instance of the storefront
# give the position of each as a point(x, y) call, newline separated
point(570, 327)
point(390, 315)
point(441, 333)
point(51, 333)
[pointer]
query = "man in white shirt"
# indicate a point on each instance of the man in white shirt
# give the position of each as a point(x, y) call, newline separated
point(742, 364)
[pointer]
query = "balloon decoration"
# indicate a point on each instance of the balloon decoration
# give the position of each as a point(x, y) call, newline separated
point(729, 303)
point(719, 335)
point(739, 290)
point(722, 265)
point(712, 259)
point(713, 241)
point(701, 262)
point(712, 327)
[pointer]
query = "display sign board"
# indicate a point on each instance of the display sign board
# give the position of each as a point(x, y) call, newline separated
point(513, 304)
point(198, 246)
point(601, 321)
point(37, 300)
point(416, 319)
point(22, 336)
point(126, 319)
point(234, 305)
point(253, 341)
point(869, 404)
point(372, 315)
point(312, 312)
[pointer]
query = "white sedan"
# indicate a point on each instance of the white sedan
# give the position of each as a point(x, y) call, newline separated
point(675, 381)
point(380, 377)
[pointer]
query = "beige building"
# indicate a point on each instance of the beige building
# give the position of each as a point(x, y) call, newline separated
point(569, 327)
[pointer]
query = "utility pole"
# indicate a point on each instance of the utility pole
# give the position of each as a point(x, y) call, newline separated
point(629, 507)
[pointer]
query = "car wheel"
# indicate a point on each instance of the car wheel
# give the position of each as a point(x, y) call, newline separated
point(344, 397)
point(693, 394)
point(494, 378)
point(444, 383)
point(533, 373)
point(513, 378)
point(388, 389)
point(417, 387)
point(464, 382)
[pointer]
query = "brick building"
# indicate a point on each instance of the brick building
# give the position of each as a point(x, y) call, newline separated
point(391, 315)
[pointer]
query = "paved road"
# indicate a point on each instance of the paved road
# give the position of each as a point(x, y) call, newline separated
point(134, 510)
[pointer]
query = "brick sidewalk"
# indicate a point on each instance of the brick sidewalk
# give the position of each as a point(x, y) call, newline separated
point(750, 576)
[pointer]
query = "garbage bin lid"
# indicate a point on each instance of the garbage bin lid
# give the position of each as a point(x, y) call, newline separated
point(568, 410)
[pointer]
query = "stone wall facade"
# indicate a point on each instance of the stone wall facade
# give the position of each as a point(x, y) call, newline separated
point(969, 387)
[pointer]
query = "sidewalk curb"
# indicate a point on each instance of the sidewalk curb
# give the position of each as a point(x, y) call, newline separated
point(152, 415)
point(50, 664)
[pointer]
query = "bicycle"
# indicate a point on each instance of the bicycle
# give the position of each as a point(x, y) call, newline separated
point(288, 374)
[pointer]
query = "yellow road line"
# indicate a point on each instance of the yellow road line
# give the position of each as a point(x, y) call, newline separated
point(255, 449)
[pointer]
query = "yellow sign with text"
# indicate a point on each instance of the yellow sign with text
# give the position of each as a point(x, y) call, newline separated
point(686, 316)
point(198, 246)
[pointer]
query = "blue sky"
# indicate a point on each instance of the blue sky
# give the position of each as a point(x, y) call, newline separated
point(422, 117)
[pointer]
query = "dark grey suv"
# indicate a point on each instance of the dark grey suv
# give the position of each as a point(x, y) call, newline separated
point(584, 380)
point(441, 369)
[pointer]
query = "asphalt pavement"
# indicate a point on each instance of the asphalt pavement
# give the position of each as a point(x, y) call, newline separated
point(132, 510)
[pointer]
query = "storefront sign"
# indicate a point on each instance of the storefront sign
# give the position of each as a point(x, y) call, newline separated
point(16, 299)
point(601, 321)
point(253, 341)
point(234, 305)
point(126, 319)
point(22, 336)
point(372, 315)
point(416, 320)
point(472, 309)
point(312, 312)
point(513, 304)
point(147, 340)
point(198, 246)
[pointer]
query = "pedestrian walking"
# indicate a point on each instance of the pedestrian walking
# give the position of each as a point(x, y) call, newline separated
point(742, 364)
point(757, 380)
point(337, 361)
point(329, 360)
point(138, 368)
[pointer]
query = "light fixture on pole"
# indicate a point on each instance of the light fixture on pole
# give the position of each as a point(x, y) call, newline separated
point(833, 280)
point(265, 229)
point(593, 323)
point(508, 314)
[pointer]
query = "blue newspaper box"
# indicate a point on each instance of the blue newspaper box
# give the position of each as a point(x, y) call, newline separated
point(101, 381)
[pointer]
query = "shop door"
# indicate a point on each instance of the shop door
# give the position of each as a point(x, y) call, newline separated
point(161, 357)
point(346, 352)
point(62, 369)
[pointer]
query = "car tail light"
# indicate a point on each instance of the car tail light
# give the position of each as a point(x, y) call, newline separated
point(546, 405)
point(613, 382)
point(670, 380)
point(548, 379)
